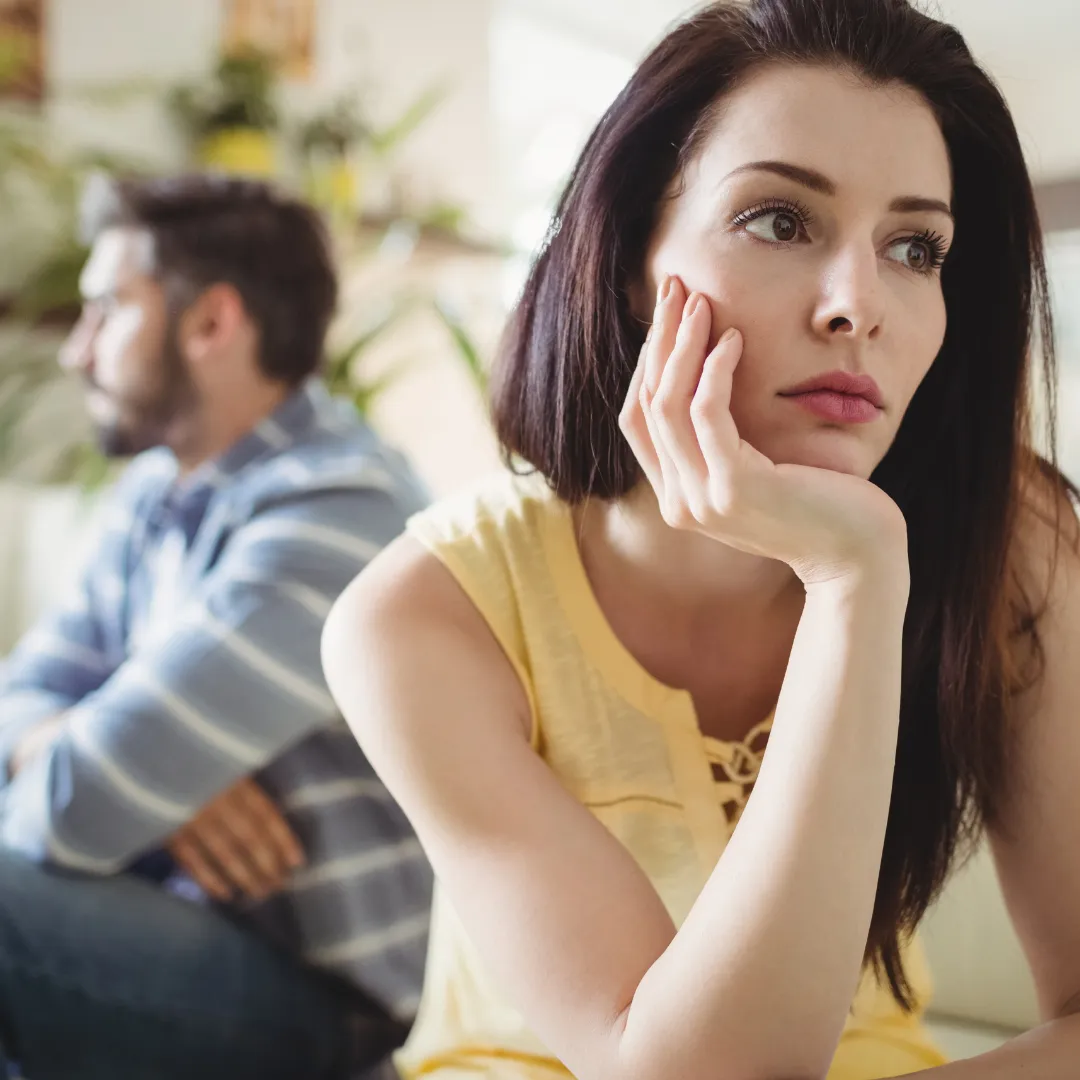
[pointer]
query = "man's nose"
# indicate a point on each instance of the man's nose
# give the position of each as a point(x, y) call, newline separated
point(77, 352)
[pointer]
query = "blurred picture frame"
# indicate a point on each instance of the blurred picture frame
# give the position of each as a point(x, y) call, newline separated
point(283, 29)
point(22, 50)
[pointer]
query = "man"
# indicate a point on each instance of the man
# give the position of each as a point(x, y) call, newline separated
point(200, 875)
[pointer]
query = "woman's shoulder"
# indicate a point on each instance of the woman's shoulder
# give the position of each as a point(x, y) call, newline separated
point(482, 530)
point(451, 582)
point(408, 609)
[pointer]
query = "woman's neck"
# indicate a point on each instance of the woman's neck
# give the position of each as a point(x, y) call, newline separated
point(684, 574)
point(694, 613)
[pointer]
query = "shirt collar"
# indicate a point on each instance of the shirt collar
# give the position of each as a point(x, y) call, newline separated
point(285, 426)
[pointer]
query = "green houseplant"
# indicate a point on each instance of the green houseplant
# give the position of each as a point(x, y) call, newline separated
point(339, 143)
point(329, 144)
point(40, 187)
point(231, 119)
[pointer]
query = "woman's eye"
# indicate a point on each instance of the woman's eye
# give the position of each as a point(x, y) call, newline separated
point(777, 226)
point(915, 254)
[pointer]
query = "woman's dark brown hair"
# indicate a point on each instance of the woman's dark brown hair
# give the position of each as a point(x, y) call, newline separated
point(959, 465)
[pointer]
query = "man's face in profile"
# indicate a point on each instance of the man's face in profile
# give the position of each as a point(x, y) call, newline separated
point(126, 348)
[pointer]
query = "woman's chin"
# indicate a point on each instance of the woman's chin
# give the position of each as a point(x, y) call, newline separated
point(837, 451)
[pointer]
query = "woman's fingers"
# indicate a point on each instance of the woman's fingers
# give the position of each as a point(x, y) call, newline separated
point(710, 408)
point(670, 406)
point(677, 415)
point(670, 298)
point(668, 491)
point(633, 426)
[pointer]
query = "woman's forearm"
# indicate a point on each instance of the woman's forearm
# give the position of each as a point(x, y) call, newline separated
point(759, 980)
point(1049, 1052)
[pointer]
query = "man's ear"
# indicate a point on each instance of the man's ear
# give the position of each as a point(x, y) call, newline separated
point(212, 322)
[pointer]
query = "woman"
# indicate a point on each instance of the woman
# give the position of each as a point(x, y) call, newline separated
point(806, 508)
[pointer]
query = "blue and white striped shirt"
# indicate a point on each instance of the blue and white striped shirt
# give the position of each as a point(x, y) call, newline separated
point(188, 658)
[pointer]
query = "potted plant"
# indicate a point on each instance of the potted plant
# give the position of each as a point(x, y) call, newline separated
point(232, 119)
point(329, 144)
point(339, 149)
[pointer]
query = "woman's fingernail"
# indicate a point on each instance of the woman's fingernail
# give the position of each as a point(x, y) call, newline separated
point(728, 335)
point(692, 304)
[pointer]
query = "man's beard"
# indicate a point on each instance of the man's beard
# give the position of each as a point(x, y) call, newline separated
point(143, 424)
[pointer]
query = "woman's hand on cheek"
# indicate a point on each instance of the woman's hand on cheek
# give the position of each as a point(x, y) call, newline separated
point(677, 419)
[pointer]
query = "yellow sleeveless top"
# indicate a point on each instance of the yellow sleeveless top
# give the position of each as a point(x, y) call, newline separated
point(630, 749)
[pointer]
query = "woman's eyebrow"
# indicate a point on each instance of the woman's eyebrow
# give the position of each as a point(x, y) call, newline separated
point(815, 181)
point(908, 204)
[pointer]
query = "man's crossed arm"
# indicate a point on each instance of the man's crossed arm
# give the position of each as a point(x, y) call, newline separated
point(234, 683)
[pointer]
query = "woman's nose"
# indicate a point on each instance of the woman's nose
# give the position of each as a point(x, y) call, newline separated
point(851, 302)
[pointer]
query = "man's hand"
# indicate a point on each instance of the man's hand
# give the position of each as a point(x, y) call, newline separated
point(239, 843)
point(35, 742)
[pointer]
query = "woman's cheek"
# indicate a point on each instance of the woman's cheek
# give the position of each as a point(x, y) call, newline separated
point(919, 352)
point(753, 288)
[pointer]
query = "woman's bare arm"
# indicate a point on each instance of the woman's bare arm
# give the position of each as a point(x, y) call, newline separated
point(758, 983)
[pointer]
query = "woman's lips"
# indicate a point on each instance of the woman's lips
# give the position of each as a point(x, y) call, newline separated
point(837, 407)
point(840, 396)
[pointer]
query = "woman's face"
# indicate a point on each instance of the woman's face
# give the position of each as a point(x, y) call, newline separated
point(814, 218)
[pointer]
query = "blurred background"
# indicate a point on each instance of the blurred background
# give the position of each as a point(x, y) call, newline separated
point(435, 135)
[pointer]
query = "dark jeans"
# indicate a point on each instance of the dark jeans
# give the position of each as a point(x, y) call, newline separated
point(113, 978)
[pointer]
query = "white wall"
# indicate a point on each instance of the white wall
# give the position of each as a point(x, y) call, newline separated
point(550, 83)
point(1029, 47)
point(1044, 108)
point(1063, 258)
